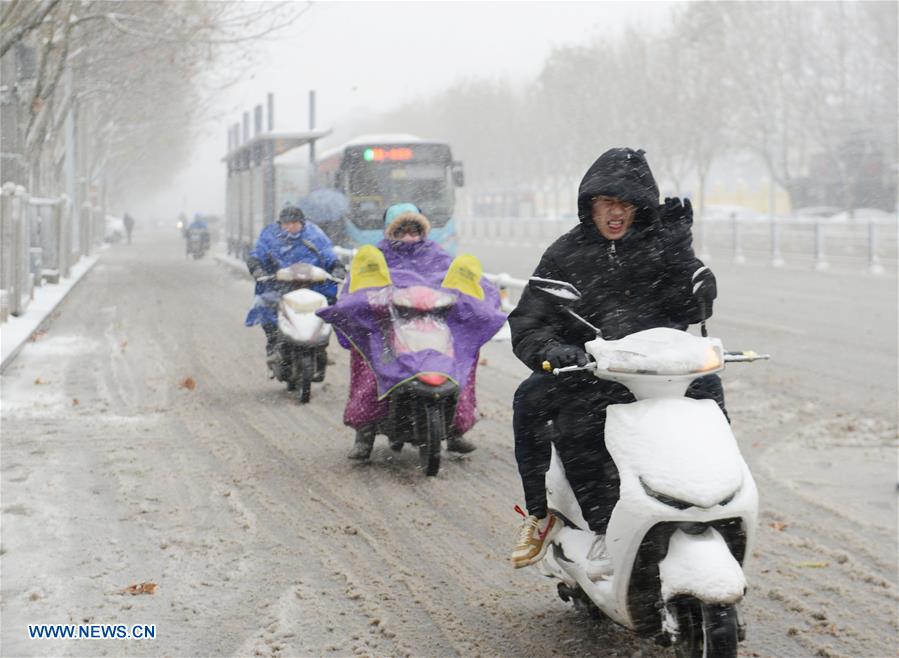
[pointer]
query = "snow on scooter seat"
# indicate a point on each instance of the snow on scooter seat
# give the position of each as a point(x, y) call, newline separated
point(678, 447)
point(661, 351)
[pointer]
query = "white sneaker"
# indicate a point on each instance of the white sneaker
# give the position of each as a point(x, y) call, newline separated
point(599, 562)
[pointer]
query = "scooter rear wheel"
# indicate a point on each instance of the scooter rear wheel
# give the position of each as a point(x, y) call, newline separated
point(435, 432)
point(707, 630)
point(304, 383)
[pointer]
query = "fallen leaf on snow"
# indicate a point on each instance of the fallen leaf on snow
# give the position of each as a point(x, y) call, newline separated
point(39, 381)
point(813, 565)
point(37, 335)
point(777, 525)
point(483, 361)
point(75, 402)
point(124, 344)
point(140, 588)
point(188, 383)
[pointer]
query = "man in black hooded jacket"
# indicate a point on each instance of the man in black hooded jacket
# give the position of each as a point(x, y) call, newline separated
point(633, 263)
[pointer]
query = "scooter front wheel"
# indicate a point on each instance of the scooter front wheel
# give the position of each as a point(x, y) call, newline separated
point(435, 432)
point(707, 630)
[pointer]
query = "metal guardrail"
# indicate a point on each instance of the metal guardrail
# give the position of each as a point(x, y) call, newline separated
point(866, 245)
point(40, 240)
point(852, 245)
point(869, 246)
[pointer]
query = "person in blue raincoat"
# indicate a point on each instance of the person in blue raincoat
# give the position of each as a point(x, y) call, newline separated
point(290, 240)
point(200, 226)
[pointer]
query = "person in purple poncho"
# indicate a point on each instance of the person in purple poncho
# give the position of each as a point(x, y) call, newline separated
point(407, 248)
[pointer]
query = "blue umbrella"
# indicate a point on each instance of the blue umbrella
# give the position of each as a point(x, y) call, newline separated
point(325, 206)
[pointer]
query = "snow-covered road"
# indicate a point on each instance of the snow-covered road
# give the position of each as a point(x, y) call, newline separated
point(264, 540)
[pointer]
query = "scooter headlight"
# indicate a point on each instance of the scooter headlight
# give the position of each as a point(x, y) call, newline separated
point(677, 503)
point(305, 305)
point(664, 498)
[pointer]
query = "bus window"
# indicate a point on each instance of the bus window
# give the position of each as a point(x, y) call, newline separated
point(376, 185)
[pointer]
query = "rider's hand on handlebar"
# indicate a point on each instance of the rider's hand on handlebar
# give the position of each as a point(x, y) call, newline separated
point(562, 356)
point(338, 271)
point(705, 289)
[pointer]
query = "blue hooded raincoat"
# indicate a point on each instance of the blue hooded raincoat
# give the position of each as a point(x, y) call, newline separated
point(276, 248)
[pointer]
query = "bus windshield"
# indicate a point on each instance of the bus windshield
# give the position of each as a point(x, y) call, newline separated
point(374, 186)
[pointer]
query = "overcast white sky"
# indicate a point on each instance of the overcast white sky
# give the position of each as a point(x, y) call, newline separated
point(368, 56)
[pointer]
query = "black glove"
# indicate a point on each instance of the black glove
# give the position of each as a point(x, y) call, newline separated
point(675, 212)
point(255, 267)
point(560, 356)
point(705, 290)
point(338, 271)
point(677, 222)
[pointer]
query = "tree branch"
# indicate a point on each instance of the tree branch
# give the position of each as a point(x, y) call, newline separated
point(26, 25)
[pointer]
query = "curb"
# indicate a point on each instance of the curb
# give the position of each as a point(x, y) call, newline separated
point(233, 264)
point(27, 326)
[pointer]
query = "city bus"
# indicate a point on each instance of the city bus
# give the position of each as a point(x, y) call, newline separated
point(376, 171)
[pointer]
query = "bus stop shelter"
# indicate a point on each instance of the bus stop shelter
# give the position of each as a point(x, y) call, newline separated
point(251, 183)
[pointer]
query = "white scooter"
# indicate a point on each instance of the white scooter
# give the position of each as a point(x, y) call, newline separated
point(685, 520)
point(302, 335)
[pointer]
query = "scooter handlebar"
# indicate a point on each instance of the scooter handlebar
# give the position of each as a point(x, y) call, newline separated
point(272, 277)
point(547, 366)
point(744, 356)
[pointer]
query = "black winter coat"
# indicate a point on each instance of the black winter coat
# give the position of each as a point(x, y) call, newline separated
point(640, 281)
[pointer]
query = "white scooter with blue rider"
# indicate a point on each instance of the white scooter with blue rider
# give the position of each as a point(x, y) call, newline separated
point(685, 520)
point(302, 335)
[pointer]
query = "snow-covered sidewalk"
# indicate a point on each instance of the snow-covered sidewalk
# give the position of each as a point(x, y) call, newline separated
point(17, 330)
point(235, 264)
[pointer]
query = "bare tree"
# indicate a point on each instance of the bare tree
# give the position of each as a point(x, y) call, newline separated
point(795, 84)
point(141, 75)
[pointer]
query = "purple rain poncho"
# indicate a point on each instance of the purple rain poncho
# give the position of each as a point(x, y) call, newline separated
point(362, 321)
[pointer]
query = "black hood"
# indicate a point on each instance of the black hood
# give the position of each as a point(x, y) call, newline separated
point(622, 173)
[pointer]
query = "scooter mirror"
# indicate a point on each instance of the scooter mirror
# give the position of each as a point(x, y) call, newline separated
point(558, 292)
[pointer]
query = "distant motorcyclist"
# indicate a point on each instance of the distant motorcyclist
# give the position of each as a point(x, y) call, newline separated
point(290, 240)
point(198, 226)
point(633, 262)
point(406, 247)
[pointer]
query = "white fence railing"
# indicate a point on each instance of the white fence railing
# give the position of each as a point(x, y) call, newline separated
point(39, 243)
point(859, 245)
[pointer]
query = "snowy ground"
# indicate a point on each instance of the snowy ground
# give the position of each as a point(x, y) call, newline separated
point(264, 540)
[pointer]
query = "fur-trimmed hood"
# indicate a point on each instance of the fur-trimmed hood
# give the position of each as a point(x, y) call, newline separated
point(402, 213)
